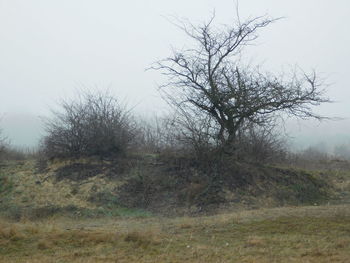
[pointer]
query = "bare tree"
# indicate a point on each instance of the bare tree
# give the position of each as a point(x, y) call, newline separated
point(95, 124)
point(2, 143)
point(210, 77)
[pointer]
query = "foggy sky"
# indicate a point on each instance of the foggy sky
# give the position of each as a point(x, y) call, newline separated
point(50, 48)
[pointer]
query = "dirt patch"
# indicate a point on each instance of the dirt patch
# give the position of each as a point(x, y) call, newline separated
point(81, 170)
point(78, 171)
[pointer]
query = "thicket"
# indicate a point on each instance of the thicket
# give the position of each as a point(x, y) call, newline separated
point(95, 124)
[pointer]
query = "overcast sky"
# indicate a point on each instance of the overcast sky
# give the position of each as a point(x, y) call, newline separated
point(49, 48)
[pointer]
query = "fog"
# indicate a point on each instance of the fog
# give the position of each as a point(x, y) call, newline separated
point(49, 49)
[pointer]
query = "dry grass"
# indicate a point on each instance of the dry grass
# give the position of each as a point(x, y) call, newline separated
point(288, 234)
point(298, 234)
point(42, 190)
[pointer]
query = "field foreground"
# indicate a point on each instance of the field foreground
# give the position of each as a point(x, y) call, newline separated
point(289, 234)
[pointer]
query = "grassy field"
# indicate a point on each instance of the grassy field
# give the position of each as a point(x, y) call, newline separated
point(290, 234)
point(43, 220)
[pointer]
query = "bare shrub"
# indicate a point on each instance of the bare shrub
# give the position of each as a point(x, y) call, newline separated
point(2, 152)
point(261, 144)
point(312, 158)
point(193, 133)
point(154, 135)
point(3, 144)
point(96, 124)
point(342, 151)
point(10, 152)
point(173, 133)
point(312, 153)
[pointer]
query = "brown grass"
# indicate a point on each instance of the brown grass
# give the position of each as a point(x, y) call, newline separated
point(142, 239)
point(298, 234)
point(288, 234)
point(255, 241)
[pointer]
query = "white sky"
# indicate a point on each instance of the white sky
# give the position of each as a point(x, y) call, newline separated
point(49, 48)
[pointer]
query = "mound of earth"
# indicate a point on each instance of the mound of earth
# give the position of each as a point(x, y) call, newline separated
point(158, 186)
